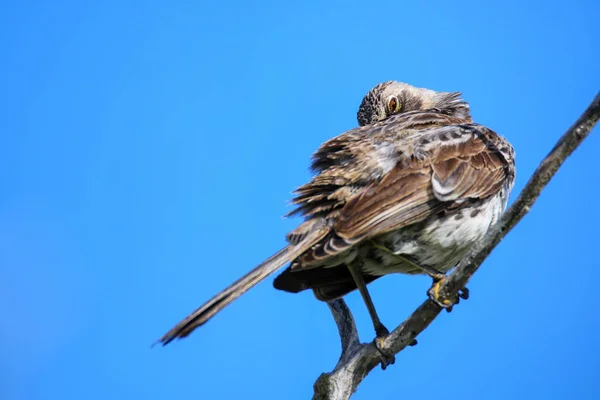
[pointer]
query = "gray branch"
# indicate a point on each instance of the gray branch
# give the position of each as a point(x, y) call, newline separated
point(358, 359)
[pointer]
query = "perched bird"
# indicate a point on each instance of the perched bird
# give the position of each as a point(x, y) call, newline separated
point(408, 191)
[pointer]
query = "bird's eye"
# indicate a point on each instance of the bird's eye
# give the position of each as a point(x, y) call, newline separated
point(393, 105)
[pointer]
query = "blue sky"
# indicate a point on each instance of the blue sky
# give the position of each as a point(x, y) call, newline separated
point(148, 153)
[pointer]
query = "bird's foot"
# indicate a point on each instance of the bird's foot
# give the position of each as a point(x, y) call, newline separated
point(444, 299)
point(387, 358)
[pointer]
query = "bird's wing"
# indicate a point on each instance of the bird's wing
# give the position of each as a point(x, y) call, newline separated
point(447, 167)
point(348, 163)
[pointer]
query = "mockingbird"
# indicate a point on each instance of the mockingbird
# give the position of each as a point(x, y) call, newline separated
point(409, 191)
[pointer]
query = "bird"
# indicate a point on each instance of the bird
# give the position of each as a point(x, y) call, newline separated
point(410, 190)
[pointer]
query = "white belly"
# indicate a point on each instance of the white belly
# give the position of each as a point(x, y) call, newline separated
point(439, 242)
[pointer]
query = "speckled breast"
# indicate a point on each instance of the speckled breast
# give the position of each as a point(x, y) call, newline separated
point(439, 242)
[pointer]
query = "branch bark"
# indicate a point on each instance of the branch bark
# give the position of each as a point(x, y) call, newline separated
point(358, 359)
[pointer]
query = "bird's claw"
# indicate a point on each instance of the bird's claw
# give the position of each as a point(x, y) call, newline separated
point(443, 299)
point(386, 357)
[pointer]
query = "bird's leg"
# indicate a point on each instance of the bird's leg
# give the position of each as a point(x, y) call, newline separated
point(380, 330)
point(441, 299)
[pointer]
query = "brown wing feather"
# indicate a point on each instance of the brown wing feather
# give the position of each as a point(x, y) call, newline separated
point(404, 196)
point(474, 168)
point(447, 166)
point(346, 164)
point(467, 167)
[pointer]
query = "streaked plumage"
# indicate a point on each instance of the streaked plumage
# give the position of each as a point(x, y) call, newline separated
point(422, 181)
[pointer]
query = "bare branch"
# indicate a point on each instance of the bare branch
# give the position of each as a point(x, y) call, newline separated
point(358, 359)
point(346, 326)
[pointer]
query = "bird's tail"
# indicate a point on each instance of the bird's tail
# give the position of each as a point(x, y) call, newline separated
point(225, 297)
point(239, 287)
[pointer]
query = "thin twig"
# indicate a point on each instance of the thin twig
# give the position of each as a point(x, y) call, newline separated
point(358, 359)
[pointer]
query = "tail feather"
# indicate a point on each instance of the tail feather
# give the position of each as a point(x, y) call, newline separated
point(225, 297)
point(241, 286)
point(327, 283)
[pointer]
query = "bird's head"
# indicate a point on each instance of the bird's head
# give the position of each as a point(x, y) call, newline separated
point(394, 97)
